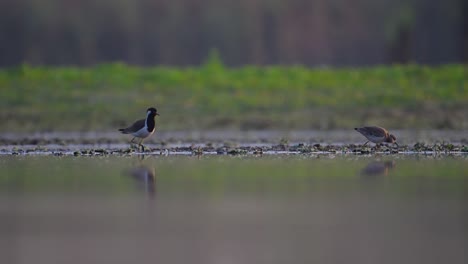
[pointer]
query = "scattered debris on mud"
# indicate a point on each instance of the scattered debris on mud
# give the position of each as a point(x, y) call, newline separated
point(230, 149)
point(230, 143)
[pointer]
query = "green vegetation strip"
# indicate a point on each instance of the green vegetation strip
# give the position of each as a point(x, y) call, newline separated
point(210, 96)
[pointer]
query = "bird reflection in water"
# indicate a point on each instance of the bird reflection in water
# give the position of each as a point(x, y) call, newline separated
point(145, 178)
point(378, 168)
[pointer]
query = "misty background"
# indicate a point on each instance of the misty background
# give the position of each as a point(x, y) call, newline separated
point(260, 32)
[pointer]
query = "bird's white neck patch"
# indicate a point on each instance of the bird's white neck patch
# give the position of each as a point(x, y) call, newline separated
point(146, 120)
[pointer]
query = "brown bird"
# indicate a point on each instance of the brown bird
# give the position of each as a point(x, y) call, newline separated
point(142, 128)
point(376, 134)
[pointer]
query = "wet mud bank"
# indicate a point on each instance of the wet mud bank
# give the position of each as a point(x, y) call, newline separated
point(231, 149)
point(231, 143)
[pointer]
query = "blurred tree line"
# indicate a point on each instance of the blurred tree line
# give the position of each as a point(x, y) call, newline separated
point(182, 32)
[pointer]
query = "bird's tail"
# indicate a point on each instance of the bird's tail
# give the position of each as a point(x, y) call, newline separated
point(123, 130)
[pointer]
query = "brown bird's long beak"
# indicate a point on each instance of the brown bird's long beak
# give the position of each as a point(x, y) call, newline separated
point(396, 144)
point(157, 113)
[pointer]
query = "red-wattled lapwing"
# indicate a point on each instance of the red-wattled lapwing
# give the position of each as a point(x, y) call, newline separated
point(142, 128)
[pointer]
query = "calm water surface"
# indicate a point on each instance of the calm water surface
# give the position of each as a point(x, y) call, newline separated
point(224, 209)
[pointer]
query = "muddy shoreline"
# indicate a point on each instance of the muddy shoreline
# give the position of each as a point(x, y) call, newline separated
point(230, 143)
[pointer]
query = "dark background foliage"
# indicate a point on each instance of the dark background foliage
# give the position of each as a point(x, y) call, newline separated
point(182, 32)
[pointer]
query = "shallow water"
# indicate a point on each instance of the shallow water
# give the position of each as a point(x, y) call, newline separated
point(234, 209)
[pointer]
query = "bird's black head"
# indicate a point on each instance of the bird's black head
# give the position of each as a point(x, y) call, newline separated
point(152, 111)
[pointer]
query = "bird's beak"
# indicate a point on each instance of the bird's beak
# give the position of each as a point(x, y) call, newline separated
point(396, 144)
point(157, 113)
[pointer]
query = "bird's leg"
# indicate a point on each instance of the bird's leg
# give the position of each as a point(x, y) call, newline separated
point(141, 145)
point(131, 142)
point(365, 143)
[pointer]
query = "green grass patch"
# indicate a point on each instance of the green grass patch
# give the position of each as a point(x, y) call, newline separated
point(211, 96)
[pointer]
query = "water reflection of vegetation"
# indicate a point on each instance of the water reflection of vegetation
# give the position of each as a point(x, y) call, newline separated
point(222, 175)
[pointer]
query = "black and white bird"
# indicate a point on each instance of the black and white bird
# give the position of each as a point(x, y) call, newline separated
point(142, 128)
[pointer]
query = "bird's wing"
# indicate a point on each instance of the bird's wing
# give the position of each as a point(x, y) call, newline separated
point(375, 131)
point(135, 127)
